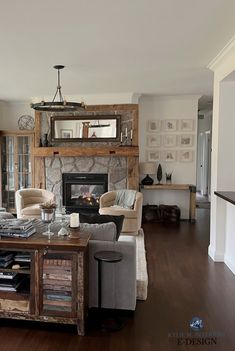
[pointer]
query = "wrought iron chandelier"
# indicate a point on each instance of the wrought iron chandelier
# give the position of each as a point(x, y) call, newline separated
point(61, 105)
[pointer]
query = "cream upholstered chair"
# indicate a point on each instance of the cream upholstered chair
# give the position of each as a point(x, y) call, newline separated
point(28, 202)
point(133, 217)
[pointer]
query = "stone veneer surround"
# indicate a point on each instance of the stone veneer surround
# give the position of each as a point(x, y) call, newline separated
point(115, 167)
point(122, 170)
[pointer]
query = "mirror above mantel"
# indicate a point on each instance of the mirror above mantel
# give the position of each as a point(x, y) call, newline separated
point(85, 128)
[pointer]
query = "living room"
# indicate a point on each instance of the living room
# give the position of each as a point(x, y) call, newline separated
point(150, 72)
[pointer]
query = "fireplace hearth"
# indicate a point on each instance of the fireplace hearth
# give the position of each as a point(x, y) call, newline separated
point(82, 191)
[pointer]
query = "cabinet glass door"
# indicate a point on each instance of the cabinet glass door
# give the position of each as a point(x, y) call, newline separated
point(24, 162)
point(16, 167)
point(8, 177)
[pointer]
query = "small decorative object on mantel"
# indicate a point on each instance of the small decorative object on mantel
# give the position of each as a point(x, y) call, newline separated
point(45, 141)
point(168, 177)
point(124, 139)
point(159, 174)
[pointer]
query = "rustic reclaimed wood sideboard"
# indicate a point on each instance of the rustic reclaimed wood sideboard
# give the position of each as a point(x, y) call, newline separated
point(51, 285)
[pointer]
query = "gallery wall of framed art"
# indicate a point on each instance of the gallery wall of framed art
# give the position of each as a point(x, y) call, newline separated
point(170, 140)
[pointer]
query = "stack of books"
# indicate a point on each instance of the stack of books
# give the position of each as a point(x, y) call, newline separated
point(22, 257)
point(10, 281)
point(6, 258)
point(17, 228)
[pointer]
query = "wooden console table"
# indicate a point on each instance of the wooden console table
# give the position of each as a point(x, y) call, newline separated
point(55, 281)
point(192, 192)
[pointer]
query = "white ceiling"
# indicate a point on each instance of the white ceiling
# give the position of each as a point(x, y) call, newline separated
point(111, 46)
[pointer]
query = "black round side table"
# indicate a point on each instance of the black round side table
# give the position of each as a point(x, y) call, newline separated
point(109, 257)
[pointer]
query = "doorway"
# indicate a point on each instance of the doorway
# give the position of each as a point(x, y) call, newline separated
point(204, 157)
point(204, 160)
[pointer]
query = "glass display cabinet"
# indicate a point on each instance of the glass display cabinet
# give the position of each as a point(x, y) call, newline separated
point(16, 165)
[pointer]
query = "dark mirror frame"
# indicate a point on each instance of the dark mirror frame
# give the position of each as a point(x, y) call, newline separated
point(88, 118)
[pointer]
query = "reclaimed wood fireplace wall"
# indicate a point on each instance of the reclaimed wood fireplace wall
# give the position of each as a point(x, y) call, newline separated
point(112, 153)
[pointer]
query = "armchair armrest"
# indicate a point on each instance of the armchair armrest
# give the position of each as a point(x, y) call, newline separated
point(107, 199)
point(138, 207)
point(138, 201)
point(19, 201)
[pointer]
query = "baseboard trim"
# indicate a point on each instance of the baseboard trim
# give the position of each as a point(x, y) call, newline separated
point(229, 264)
point(216, 256)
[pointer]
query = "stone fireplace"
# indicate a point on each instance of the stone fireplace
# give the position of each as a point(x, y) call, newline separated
point(82, 191)
point(119, 161)
point(114, 167)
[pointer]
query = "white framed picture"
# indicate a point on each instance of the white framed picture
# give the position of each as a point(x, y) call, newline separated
point(186, 140)
point(169, 140)
point(185, 155)
point(169, 156)
point(153, 126)
point(153, 156)
point(153, 140)
point(186, 125)
point(66, 133)
point(170, 125)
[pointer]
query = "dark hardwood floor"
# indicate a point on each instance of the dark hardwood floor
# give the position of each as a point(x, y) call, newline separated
point(183, 282)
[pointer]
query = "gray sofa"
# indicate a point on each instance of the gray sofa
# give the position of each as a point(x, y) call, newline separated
point(118, 279)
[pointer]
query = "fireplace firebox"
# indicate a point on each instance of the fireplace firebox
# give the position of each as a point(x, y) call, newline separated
point(82, 191)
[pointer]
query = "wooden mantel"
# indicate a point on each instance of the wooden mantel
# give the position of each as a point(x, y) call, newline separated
point(125, 151)
point(130, 152)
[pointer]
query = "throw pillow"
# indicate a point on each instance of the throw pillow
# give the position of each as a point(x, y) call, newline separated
point(102, 231)
point(97, 218)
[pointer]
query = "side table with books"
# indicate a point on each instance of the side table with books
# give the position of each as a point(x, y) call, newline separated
point(41, 279)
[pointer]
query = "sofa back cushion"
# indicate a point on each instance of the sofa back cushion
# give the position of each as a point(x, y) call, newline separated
point(97, 218)
point(100, 231)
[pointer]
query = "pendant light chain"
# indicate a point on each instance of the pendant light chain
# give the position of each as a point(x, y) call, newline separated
point(60, 106)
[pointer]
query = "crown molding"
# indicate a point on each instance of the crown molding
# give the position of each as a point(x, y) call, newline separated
point(226, 51)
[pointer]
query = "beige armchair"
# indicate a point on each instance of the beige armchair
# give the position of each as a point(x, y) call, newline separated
point(133, 217)
point(28, 202)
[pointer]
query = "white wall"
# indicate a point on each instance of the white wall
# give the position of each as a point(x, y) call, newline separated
point(229, 257)
point(10, 112)
point(226, 160)
point(223, 145)
point(152, 107)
